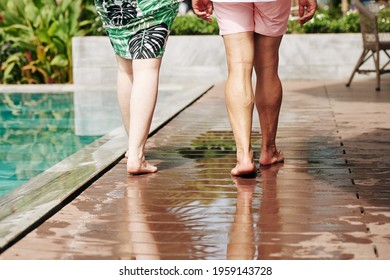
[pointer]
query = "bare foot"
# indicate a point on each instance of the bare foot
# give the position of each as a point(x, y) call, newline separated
point(268, 158)
point(244, 167)
point(138, 168)
point(127, 154)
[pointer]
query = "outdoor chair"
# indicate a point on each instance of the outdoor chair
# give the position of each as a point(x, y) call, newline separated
point(374, 42)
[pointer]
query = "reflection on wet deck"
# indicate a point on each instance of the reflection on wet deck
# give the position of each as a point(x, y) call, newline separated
point(329, 200)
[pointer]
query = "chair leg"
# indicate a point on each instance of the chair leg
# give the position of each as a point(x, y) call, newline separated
point(358, 64)
point(377, 71)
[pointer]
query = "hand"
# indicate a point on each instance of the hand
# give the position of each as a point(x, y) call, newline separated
point(203, 9)
point(307, 8)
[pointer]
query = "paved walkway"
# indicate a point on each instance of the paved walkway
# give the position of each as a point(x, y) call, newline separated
point(329, 200)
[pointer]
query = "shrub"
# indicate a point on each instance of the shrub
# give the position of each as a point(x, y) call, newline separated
point(37, 39)
point(384, 20)
point(192, 25)
point(323, 22)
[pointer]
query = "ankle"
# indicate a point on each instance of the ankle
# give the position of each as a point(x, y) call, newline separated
point(271, 148)
point(243, 155)
point(244, 151)
point(136, 154)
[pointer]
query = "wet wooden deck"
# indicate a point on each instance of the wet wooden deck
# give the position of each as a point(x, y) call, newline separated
point(329, 200)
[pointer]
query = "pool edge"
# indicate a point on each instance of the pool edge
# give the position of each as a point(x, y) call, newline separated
point(23, 219)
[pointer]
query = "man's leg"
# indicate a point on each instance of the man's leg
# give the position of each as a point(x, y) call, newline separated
point(240, 98)
point(268, 95)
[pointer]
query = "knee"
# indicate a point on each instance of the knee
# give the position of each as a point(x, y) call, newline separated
point(266, 74)
point(240, 75)
point(240, 65)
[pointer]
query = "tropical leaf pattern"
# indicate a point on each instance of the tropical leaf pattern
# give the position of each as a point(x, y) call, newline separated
point(120, 15)
point(148, 43)
point(150, 6)
point(138, 29)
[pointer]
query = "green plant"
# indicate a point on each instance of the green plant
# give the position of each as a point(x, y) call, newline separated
point(192, 25)
point(89, 19)
point(384, 20)
point(325, 21)
point(37, 39)
point(349, 23)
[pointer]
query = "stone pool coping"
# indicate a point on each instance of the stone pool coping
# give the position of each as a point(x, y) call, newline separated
point(32, 203)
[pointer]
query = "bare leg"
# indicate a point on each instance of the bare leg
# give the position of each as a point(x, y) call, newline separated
point(138, 117)
point(239, 97)
point(268, 95)
point(124, 87)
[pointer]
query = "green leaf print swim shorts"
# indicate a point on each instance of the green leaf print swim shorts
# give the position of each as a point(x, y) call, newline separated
point(138, 29)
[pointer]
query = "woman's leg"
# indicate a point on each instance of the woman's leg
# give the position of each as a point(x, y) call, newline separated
point(124, 87)
point(268, 95)
point(137, 111)
point(239, 97)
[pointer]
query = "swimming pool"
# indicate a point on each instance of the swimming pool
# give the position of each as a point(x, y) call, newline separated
point(38, 130)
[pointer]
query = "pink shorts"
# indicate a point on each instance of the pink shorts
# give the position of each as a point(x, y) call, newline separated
point(266, 18)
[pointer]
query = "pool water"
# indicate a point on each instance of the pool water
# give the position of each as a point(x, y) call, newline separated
point(37, 130)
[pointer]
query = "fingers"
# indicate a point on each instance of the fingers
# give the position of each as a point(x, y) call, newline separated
point(307, 8)
point(203, 15)
point(203, 9)
point(209, 8)
point(308, 16)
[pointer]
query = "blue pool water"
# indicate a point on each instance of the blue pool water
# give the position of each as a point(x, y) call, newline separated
point(36, 132)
